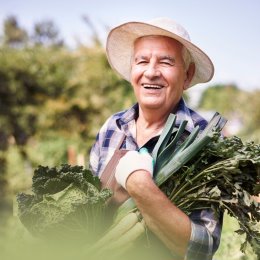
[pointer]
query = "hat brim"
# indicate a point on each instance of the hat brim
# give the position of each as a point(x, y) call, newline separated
point(120, 43)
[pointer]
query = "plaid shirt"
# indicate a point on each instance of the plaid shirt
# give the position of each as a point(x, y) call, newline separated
point(206, 227)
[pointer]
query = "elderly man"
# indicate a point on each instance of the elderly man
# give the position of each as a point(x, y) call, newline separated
point(160, 62)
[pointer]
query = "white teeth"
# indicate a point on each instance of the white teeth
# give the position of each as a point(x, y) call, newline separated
point(152, 86)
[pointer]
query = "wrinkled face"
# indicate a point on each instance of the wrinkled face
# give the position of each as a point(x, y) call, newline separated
point(158, 75)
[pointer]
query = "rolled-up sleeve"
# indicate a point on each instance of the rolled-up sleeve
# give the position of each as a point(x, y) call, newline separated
point(205, 235)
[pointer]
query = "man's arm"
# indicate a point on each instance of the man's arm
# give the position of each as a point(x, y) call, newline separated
point(168, 222)
point(195, 237)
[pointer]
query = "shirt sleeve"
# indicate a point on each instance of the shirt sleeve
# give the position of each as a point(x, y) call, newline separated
point(205, 235)
point(95, 160)
point(95, 152)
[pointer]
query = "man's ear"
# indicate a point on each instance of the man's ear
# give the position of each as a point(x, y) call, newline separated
point(189, 75)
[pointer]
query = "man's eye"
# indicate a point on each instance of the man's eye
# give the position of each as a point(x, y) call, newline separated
point(167, 63)
point(141, 62)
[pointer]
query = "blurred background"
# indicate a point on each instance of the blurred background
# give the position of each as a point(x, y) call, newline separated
point(57, 88)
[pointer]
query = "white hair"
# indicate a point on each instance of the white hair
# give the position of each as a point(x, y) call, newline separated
point(187, 59)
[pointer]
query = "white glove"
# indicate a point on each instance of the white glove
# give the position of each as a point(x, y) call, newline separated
point(133, 161)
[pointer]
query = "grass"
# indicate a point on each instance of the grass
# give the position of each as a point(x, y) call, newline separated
point(230, 243)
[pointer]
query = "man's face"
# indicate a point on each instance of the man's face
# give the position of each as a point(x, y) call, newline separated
point(158, 75)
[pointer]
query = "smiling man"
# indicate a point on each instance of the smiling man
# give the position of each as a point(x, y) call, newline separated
point(158, 77)
point(160, 61)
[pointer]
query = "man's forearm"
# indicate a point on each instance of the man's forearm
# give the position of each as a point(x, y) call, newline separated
point(168, 222)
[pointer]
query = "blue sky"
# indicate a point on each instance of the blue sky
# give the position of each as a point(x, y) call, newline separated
point(227, 30)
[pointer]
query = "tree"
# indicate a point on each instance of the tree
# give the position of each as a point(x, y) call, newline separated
point(250, 111)
point(220, 98)
point(235, 104)
point(46, 33)
point(51, 98)
point(14, 34)
point(28, 79)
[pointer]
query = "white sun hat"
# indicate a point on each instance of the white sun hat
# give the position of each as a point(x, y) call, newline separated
point(120, 44)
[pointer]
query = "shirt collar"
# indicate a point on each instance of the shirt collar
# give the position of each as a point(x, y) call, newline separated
point(182, 113)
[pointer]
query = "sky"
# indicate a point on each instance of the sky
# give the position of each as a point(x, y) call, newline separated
point(227, 30)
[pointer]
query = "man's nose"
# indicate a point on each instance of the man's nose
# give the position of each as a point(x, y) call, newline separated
point(152, 71)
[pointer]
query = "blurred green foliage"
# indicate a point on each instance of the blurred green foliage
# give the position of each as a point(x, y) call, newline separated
point(237, 105)
point(219, 97)
point(230, 243)
point(51, 98)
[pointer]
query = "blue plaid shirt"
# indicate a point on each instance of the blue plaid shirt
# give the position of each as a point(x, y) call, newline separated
point(206, 227)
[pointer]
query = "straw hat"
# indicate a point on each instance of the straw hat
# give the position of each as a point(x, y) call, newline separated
point(120, 43)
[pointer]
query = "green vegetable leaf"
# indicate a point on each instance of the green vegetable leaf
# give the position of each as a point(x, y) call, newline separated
point(67, 204)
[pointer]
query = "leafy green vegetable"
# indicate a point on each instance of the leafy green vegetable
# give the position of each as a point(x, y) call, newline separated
point(51, 180)
point(224, 176)
point(67, 204)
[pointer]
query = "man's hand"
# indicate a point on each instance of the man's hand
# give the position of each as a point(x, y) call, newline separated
point(131, 162)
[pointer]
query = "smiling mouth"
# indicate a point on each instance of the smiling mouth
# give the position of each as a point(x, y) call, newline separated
point(149, 86)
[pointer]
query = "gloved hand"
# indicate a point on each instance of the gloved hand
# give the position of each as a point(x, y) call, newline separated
point(133, 161)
